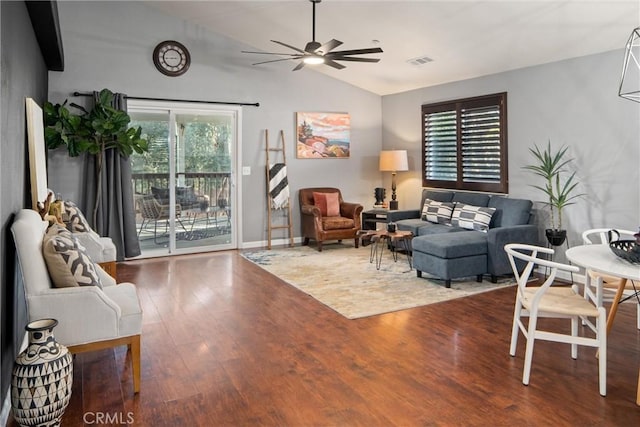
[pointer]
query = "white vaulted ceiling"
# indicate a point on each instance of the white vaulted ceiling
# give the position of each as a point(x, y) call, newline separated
point(465, 39)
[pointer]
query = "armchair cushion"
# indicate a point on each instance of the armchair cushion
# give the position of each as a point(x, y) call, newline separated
point(328, 203)
point(337, 223)
point(67, 262)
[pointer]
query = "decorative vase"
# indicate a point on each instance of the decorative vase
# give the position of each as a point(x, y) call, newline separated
point(556, 237)
point(42, 378)
point(380, 194)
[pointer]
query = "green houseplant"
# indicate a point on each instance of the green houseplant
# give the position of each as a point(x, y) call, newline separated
point(92, 131)
point(551, 165)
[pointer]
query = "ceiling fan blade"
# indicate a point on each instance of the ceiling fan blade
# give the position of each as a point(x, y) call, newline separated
point(269, 53)
point(299, 66)
point(328, 46)
point(276, 60)
point(349, 58)
point(355, 52)
point(289, 46)
point(333, 64)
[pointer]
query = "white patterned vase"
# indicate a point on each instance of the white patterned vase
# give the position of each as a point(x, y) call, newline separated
point(42, 378)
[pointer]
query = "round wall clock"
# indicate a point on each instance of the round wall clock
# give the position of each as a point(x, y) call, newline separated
point(171, 58)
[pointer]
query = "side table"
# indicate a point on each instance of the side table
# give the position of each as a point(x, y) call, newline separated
point(382, 238)
point(372, 217)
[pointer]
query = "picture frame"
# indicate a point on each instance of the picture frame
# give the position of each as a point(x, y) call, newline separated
point(323, 135)
point(37, 153)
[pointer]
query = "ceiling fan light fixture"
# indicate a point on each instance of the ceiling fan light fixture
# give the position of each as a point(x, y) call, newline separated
point(316, 53)
point(313, 60)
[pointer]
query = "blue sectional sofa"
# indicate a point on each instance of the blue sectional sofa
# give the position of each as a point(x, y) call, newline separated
point(461, 234)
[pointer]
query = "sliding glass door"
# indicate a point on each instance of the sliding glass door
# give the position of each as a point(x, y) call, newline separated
point(184, 185)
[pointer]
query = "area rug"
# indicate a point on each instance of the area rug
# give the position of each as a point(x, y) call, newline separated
point(342, 278)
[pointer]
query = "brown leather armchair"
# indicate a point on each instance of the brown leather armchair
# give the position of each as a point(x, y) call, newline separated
point(320, 228)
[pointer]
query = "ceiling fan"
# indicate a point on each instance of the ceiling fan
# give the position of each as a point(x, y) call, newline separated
point(316, 53)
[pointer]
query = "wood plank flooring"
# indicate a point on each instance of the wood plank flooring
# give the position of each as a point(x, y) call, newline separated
point(227, 344)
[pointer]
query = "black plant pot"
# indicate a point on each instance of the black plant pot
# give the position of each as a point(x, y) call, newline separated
point(556, 237)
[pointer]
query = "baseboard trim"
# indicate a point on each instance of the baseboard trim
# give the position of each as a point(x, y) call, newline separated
point(264, 243)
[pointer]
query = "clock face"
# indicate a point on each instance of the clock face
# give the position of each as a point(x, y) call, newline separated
point(171, 58)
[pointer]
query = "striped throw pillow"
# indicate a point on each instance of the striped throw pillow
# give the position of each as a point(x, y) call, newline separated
point(67, 262)
point(472, 217)
point(437, 212)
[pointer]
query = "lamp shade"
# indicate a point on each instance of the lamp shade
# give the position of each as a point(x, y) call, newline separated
point(393, 161)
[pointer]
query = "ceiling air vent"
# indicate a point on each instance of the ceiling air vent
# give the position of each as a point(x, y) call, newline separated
point(421, 60)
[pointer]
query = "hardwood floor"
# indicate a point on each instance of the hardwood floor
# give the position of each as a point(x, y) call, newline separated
point(226, 344)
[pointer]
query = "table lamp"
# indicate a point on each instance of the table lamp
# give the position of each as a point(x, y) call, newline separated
point(393, 161)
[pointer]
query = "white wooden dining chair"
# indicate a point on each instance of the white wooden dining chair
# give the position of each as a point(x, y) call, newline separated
point(549, 300)
point(601, 288)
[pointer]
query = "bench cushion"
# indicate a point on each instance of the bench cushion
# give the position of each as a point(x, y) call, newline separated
point(451, 245)
point(420, 228)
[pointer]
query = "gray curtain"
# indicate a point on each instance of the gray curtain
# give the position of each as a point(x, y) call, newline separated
point(116, 212)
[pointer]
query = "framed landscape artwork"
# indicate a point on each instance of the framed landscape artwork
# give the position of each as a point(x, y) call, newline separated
point(323, 135)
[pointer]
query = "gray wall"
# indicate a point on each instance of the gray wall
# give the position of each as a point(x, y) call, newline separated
point(110, 45)
point(572, 102)
point(23, 74)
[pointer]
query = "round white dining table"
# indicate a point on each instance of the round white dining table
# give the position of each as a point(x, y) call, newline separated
point(600, 258)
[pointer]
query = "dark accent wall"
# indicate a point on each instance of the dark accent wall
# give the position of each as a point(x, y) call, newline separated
point(23, 73)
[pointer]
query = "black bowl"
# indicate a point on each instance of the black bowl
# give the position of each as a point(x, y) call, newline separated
point(626, 249)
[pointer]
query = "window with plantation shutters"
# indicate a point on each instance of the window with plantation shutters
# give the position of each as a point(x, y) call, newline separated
point(465, 144)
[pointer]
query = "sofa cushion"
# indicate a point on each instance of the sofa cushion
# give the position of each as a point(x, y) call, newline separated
point(437, 212)
point(472, 217)
point(438, 196)
point(474, 199)
point(67, 262)
point(328, 203)
point(420, 228)
point(509, 211)
point(451, 245)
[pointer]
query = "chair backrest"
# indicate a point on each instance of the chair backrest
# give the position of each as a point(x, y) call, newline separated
point(148, 207)
point(530, 255)
point(28, 233)
point(306, 194)
point(600, 236)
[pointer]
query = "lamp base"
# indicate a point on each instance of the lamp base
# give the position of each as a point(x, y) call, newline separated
point(393, 205)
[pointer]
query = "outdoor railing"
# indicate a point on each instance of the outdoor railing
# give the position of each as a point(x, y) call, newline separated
point(215, 185)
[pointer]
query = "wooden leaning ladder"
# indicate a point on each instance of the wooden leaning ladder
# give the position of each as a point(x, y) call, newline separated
point(271, 226)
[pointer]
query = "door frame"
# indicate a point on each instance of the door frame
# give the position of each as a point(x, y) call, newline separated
point(173, 108)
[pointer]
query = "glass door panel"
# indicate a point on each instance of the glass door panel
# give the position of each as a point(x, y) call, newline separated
point(151, 183)
point(203, 164)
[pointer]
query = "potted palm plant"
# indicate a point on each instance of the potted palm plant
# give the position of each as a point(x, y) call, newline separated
point(559, 193)
point(92, 131)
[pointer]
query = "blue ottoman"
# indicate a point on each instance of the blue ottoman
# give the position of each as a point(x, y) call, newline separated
point(451, 255)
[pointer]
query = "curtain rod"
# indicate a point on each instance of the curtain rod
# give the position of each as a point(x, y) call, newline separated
point(256, 104)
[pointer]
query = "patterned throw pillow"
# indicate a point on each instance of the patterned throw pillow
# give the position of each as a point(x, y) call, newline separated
point(328, 203)
point(437, 212)
point(74, 219)
point(472, 217)
point(67, 261)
